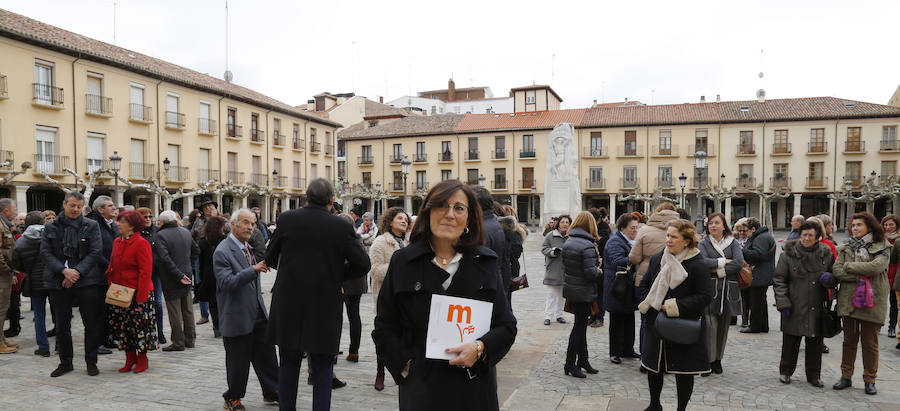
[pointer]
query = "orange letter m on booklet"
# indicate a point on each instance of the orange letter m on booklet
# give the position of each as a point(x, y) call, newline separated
point(453, 321)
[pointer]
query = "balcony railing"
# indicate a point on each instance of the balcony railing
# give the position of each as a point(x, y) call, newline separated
point(782, 182)
point(781, 148)
point(746, 149)
point(665, 151)
point(527, 153)
point(817, 182)
point(140, 113)
point(234, 131)
point(471, 155)
point(94, 164)
point(445, 156)
point(418, 185)
point(595, 152)
point(279, 181)
point(498, 184)
point(856, 181)
point(665, 182)
point(298, 183)
point(596, 184)
point(626, 183)
point(329, 150)
point(854, 146)
point(257, 136)
point(365, 160)
point(709, 149)
point(395, 158)
point(698, 182)
point(299, 144)
point(420, 158)
point(629, 150)
point(745, 182)
point(141, 171)
point(278, 139)
point(7, 159)
point(174, 120)
point(236, 177)
point(50, 164)
point(207, 174)
point(396, 186)
point(179, 174)
point(259, 179)
point(98, 105)
point(819, 147)
point(207, 126)
point(4, 93)
point(315, 147)
point(498, 154)
point(890, 145)
point(47, 95)
point(527, 184)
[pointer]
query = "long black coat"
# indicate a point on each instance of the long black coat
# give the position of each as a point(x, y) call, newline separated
point(692, 296)
point(314, 252)
point(579, 257)
point(402, 323)
point(206, 289)
point(27, 259)
point(495, 239)
point(108, 233)
point(759, 251)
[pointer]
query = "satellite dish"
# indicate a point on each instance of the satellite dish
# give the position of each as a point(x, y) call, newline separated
point(228, 76)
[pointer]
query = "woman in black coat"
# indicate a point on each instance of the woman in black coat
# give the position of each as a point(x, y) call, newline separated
point(27, 259)
point(444, 258)
point(214, 233)
point(580, 289)
point(688, 299)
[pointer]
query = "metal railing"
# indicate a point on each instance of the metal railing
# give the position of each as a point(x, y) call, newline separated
point(471, 154)
point(299, 183)
point(746, 149)
point(299, 144)
point(595, 184)
point(527, 184)
point(207, 174)
point(745, 182)
point(396, 186)
point(259, 179)
point(890, 145)
point(783, 182)
point(236, 177)
point(665, 182)
point(279, 181)
point(234, 131)
point(817, 147)
point(365, 160)
point(50, 164)
point(207, 126)
point(94, 164)
point(781, 148)
point(498, 184)
point(257, 135)
point(395, 158)
point(3, 90)
point(625, 183)
point(179, 174)
point(7, 159)
point(420, 158)
point(48, 95)
point(315, 147)
point(527, 153)
point(445, 156)
point(629, 151)
point(141, 171)
point(855, 146)
point(856, 181)
point(174, 120)
point(418, 186)
point(698, 182)
point(817, 182)
point(278, 139)
point(99, 105)
point(140, 112)
point(329, 149)
point(708, 148)
point(498, 154)
point(595, 152)
point(660, 151)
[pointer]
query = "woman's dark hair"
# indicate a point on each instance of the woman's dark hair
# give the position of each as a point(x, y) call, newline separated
point(560, 218)
point(389, 217)
point(625, 219)
point(192, 217)
point(595, 213)
point(894, 217)
point(133, 218)
point(438, 196)
point(603, 213)
point(874, 226)
point(34, 218)
point(753, 223)
point(214, 229)
point(726, 230)
point(812, 225)
point(683, 214)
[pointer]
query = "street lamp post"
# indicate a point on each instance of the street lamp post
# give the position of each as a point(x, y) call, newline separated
point(272, 199)
point(533, 196)
point(404, 167)
point(376, 207)
point(848, 187)
point(166, 164)
point(682, 181)
point(115, 164)
point(700, 165)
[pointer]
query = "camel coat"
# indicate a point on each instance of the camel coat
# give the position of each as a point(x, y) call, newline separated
point(380, 254)
point(650, 240)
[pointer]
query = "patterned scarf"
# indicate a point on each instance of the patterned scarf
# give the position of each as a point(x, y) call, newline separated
point(70, 235)
point(860, 246)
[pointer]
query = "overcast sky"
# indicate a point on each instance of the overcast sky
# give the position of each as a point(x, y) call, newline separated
point(652, 51)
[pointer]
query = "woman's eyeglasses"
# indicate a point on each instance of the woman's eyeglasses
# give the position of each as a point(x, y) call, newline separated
point(458, 208)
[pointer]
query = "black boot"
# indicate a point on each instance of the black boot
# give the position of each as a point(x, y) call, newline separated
point(842, 383)
point(587, 367)
point(574, 371)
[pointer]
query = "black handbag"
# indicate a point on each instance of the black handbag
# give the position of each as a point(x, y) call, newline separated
point(829, 321)
point(678, 330)
point(623, 285)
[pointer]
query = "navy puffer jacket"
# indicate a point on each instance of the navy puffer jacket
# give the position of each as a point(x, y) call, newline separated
point(580, 261)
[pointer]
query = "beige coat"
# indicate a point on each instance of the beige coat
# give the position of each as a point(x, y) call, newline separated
point(380, 254)
point(650, 240)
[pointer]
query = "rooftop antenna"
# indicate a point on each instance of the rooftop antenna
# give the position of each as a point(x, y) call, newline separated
point(353, 66)
point(553, 67)
point(761, 93)
point(114, 23)
point(652, 95)
point(409, 79)
point(228, 74)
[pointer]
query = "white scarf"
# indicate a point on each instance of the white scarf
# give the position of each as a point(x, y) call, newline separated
point(720, 247)
point(671, 275)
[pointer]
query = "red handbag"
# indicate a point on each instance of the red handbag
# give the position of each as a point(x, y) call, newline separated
point(19, 278)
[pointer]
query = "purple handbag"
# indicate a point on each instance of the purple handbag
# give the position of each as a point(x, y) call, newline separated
point(864, 296)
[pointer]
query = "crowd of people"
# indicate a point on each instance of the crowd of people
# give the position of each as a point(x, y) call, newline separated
point(661, 267)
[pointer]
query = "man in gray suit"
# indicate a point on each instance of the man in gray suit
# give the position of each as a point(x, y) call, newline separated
point(242, 313)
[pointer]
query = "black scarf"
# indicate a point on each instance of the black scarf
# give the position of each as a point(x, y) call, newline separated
point(399, 240)
point(71, 234)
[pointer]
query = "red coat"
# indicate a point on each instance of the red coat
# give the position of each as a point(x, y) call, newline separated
point(131, 265)
point(831, 246)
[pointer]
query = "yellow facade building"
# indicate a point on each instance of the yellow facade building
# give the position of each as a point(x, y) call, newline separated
point(71, 102)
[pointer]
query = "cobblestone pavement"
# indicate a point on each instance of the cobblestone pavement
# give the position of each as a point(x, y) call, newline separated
point(530, 376)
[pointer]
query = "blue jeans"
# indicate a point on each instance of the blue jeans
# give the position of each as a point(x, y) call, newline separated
point(204, 306)
point(158, 304)
point(39, 308)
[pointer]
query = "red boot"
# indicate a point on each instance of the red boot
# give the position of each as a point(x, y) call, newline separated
point(379, 379)
point(130, 360)
point(142, 363)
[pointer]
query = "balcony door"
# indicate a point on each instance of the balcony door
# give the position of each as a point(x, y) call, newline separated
point(94, 152)
point(630, 143)
point(596, 144)
point(43, 77)
point(94, 92)
point(45, 150)
point(664, 174)
point(136, 98)
point(203, 166)
point(172, 154)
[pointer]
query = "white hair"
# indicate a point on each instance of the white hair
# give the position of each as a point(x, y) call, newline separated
point(798, 217)
point(101, 201)
point(167, 216)
point(235, 215)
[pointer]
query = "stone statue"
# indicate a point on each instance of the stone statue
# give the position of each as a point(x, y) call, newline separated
point(562, 192)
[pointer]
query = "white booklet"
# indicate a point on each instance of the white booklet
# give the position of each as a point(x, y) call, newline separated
point(454, 321)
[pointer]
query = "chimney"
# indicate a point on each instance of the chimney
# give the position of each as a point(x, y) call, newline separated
point(626, 99)
point(381, 99)
point(761, 96)
point(451, 90)
point(702, 99)
point(718, 98)
point(595, 102)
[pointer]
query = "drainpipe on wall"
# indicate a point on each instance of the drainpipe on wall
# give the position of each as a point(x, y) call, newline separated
point(159, 118)
point(74, 120)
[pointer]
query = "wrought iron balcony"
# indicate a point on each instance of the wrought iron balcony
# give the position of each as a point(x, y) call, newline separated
point(817, 182)
point(47, 95)
point(782, 182)
point(329, 149)
point(50, 164)
point(627, 183)
point(665, 182)
point(444, 157)
point(207, 174)
point(396, 186)
point(746, 149)
point(315, 147)
point(98, 105)
point(395, 158)
point(299, 183)
point(498, 154)
point(234, 131)
point(781, 149)
point(595, 152)
point(299, 144)
point(745, 182)
point(278, 139)
point(179, 174)
point(7, 160)
point(629, 150)
point(140, 113)
point(709, 149)
point(418, 185)
point(4, 93)
point(527, 153)
point(257, 136)
point(207, 126)
point(819, 147)
point(94, 164)
point(665, 151)
point(527, 184)
point(854, 147)
point(471, 155)
point(260, 179)
point(857, 181)
point(365, 160)
point(596, 183)
point(236, 177)
point(698, 182)
point(174, 120)
point(420, 158)
point(890, 145)
point(498, 184)
point(141, 171)
point(279, 181)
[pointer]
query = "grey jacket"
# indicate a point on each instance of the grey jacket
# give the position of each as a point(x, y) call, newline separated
point(238, 290)
point(759, 252)
point(797, 287)
point(727, 297)
point(177, 251)
point(554, 272)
